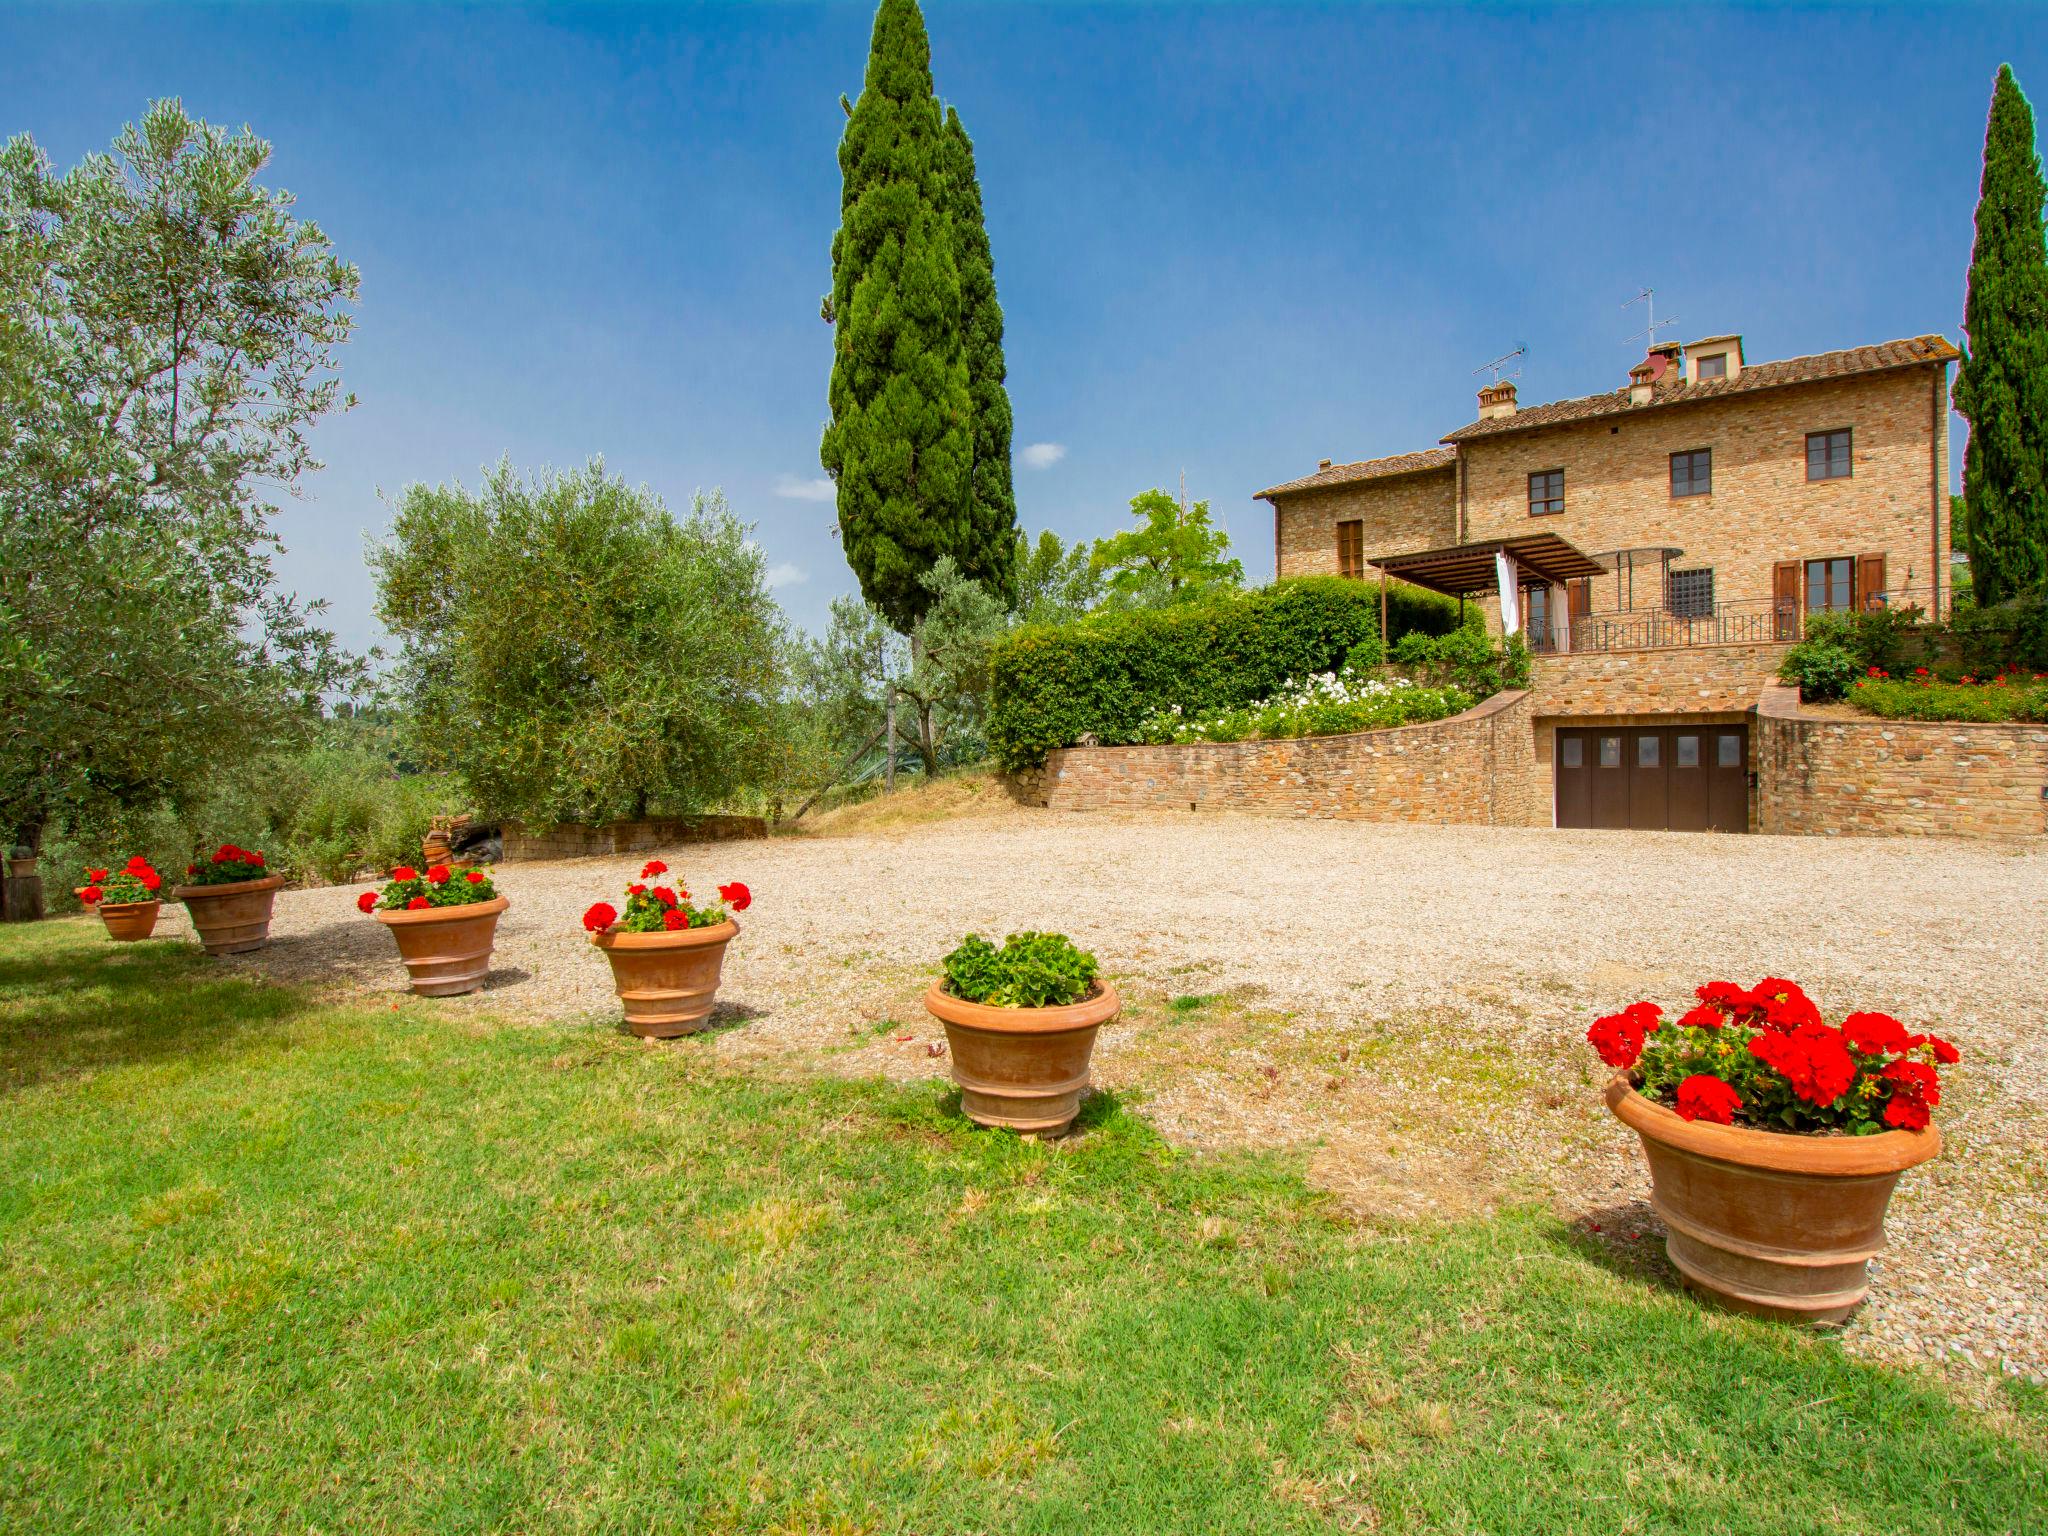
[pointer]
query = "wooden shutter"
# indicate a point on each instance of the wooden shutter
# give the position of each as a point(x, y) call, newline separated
point(1869, 581)
point(1785, 600)
point(1351, 548)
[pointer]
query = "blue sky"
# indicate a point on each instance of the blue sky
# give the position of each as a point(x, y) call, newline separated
point(1230, 240)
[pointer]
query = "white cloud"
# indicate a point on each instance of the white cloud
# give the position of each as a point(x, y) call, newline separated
point(792, 489)
point(787, 575)
point(1043, 455)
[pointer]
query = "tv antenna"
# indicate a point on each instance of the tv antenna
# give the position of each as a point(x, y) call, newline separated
point(1648, 335)
point(1498, 366)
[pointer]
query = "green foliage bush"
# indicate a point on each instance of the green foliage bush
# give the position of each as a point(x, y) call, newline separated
point(1465, 659)
point(1031, 970)
point(1821, 669)
point(2016, 698)
point(1107, 675)
point(1326, 705)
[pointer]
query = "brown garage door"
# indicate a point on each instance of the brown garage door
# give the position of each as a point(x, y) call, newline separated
point(1681, 778)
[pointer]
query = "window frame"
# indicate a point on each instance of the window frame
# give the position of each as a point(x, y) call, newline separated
point(1696, 485)
point(1700, 364)
point(1351, 561)
point(1824, 437)
point(1697, 606)
point(1546, 505)
point(1827, 583)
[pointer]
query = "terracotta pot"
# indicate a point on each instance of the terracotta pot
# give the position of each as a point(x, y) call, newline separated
point(128, 921)
point(1768, 1222)
point(667, 981)
point(234, 918)
point(447, 949)
point(1022, 1068)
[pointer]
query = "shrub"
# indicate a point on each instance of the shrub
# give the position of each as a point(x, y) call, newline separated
point(1105, 676)
point(1822, 669)
point(1464, 659)
point(1764, 1056)
point(1031, 970)
point(2009, 696)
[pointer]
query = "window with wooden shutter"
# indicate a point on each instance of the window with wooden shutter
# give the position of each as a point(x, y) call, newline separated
point(1785, 600)
point(1870, 587)
point(1351, 548)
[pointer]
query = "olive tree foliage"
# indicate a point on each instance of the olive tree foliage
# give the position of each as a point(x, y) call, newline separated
point(168, 337)
point(578, 652)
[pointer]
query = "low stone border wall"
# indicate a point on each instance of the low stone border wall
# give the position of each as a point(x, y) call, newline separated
point(574, 841)
point(1825, 776)
point(1476, 767)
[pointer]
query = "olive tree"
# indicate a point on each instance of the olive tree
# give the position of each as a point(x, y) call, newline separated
point(578, 652)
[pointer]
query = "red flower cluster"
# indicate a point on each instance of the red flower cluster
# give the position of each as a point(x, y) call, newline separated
point(1619, 1037)
point(415, 892)
point(137, 881)
point(736, 896)
point(1701, 1097)
point(367, 902)
point(600, 916)
point(1766, 1050)
point(228, 853)
point(665, 908)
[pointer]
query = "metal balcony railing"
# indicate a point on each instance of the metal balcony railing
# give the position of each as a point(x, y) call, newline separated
point(1760, 621)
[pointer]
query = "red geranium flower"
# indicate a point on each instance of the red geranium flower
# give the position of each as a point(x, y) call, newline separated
point(664, 895)
point(225, 852)
point(1817, 1065)
point(95, 876)
point(475, 877)
point(636, 890)
point(672, 920)
point(437, 874)
point(1944, 1053)
point(150, 878)
point(1618, 1039)
point(367, 902)
point(1703, 1017)
point(600, 917)
point(191, 869)
point(1876, 1034)
point(417, 903)
point(1906, 1112)
point(252, 858)
point(652, 868)
point(91, 895)
point(405, 872)
point(1701, 1097)
point(1914, 1077)
point(136, 864)
point(736, 896)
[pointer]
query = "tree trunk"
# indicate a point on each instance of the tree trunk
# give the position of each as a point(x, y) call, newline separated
point(889, 765)
point(927, 748)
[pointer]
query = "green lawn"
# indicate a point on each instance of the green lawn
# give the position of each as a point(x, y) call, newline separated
point(267, 1265)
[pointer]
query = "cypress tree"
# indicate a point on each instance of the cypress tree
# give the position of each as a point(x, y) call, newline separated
point(991, 550)
point(2002, 386)
point(900, 445)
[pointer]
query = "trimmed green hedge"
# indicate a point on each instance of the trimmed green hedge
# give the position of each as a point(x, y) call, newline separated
point(1104, 676)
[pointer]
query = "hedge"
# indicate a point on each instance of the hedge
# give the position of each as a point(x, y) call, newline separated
point(1050, 685)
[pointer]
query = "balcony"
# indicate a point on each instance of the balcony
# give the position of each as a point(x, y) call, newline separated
point(1656, 626)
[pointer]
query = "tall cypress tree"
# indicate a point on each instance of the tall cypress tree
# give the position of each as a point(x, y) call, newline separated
point(991, 552)
point(2002, 386)
point(901, 440)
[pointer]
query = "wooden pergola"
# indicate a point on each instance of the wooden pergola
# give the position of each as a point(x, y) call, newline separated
point(1463, 570)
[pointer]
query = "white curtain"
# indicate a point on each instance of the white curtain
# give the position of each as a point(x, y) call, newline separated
point(1510, 576)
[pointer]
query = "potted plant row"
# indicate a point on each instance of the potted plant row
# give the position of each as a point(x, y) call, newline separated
point(666, 950)
point(126, 899)
point(1020, 1028)
point(1774, 1138)
point(444, 924)
point(230, 897)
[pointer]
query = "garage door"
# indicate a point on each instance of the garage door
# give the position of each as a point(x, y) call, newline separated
point(1681, 778)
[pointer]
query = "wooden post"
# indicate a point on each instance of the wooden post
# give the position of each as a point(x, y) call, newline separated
point(889, 764)
point(1383, 615)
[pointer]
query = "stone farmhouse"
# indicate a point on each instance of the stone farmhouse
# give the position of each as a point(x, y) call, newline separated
point(1659, 547)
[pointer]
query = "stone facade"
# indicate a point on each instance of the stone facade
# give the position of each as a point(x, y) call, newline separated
point(575, 841)
point(1400, 513)
point(1867, 777)
point(1673, 680)
point(1476, 767)
point(1762, 508)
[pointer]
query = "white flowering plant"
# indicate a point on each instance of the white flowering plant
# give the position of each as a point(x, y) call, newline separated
point(1323, 704)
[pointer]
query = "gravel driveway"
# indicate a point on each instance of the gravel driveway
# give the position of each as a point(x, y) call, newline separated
point(1406, 1004)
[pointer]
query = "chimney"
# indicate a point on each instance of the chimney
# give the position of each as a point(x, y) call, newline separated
point(1323, 464)
point(1642, 379)
point(1497, 399)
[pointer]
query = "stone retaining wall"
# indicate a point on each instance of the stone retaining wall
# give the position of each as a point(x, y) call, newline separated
point(571, 840)
point(1687, 679)
point(1829, 776)
point(1476, 767)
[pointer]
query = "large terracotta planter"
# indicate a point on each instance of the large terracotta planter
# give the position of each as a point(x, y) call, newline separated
point(128, 921)
point(1767, 1222)
point(234, 918)
point(667, 981)
point(1022, 1068)
point(446, 949)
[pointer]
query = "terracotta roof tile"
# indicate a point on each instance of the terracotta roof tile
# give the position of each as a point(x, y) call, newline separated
point(1754, 376)
point(1369, 469)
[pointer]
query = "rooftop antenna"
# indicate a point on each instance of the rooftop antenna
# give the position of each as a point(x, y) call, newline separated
point(1648, 335)
point(1499, 364)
